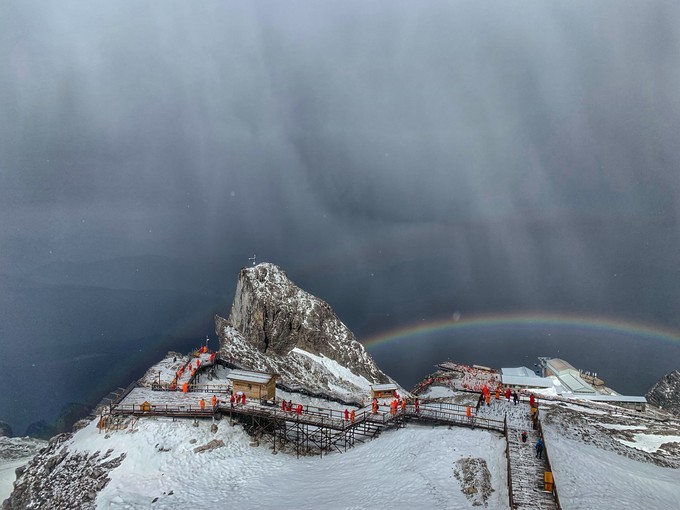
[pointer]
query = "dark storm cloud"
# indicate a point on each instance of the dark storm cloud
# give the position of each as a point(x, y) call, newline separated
point(418, 112)
point(528, 111)
point(403, 161)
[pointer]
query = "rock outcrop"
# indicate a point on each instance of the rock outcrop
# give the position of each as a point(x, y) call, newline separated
point(665, 394)
point(17, 448)
point(68, 416)
point(59, 479)
point(275, 325)
point(5, 429)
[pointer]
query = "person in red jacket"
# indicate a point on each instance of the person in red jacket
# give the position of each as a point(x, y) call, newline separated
point(417, 405)
point(283, 405)
point(532, 400)
point(298, 409)
point(346, 415)
point(243, 399)
point(507, 393)
point(232, 400)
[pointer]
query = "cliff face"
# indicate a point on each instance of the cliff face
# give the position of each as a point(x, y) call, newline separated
point(666, 393)
point(273, 322)
point(5, 429)
point(58, 478)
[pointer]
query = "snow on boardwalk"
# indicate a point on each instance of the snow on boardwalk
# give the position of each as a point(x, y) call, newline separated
point(177, 403)
point(527, 473)
point(526, 470)
point(163, 398)
point(174, 371)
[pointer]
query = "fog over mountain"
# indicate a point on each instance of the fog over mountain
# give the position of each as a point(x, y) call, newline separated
point(404, 162)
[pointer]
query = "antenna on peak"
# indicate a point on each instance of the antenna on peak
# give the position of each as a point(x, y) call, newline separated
point(253, 258)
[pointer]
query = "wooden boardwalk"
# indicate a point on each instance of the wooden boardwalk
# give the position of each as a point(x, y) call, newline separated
point(323, 430)
point(444, 413)
point(177, 404)
point(527, 473)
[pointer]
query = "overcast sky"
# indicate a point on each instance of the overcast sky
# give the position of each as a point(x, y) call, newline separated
point(402, 160)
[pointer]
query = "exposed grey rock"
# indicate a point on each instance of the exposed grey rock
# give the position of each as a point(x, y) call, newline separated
point(666, 393)
point(14, 448)
point(5, 429)
point(57, 478)
point(271, 316)
point(588, 428)
point(69, 415)
point(40, 430)
point(475, 480)
point(210, 445)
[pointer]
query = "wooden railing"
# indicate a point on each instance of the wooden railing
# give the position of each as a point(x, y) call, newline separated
point(194, 388)
point(162, 409)
point(440, 411)
point(507, 458)
point(547, 460)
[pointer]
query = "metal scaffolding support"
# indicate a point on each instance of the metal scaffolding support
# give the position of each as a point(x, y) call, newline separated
point(306, 437)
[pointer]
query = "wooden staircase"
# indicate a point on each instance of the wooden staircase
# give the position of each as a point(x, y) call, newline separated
point(527, 473)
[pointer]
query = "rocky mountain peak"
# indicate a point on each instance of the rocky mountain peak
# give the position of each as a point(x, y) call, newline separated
point(5, 429)
point(666, 393)
point(273, 319)
point(276, 316)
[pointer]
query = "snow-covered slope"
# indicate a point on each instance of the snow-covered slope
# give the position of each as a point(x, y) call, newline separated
point(15, 452)
point(410, 468)
point(615, 429)
point(590, 477)
point(607, 457)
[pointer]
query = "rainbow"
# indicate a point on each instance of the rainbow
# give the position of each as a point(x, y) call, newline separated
point(479, 323)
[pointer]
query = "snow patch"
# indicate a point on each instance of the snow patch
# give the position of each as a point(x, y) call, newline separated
point(649, 442)
point(614, 426)
point(589, 477)
point(337, 370)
